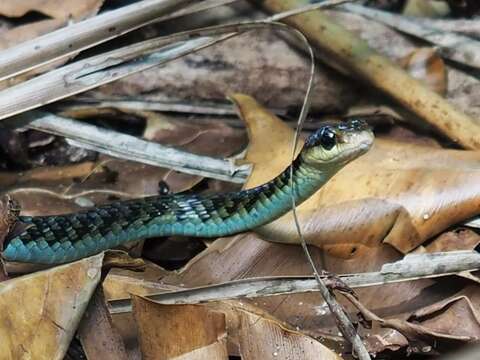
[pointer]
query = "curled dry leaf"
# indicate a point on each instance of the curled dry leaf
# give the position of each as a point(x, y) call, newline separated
point(42, 310)
point(428, 330)
point(374, 199)
point(179, 331)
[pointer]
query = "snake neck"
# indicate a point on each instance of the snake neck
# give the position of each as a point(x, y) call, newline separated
point(276, 195)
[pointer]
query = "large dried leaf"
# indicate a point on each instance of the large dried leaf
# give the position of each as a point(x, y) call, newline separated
point(246, 256)
point(179, 331)
point(41, 311)
point(99, 338)
point(261, 338)
point(398, 193)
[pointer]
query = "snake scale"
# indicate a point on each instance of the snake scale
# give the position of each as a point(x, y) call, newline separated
point(63, 238)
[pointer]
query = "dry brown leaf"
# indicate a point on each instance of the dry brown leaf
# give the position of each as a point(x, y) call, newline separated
point(59, 9)
point(429, 330)
point(262, 338)
point(460, 239)
point(260, 121)
point(176, 331)
point(99, 338)
point(22, 33)
point(209, 138)
point(121, 283)
point(42, 310)
point(245, 256)
point(386, 184)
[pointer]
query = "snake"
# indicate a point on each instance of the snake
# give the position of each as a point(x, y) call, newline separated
point(58, 239)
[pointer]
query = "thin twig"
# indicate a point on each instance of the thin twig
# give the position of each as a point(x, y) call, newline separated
point(411, 267)
point(129, 147)
point(343, 322)
point(131, 103)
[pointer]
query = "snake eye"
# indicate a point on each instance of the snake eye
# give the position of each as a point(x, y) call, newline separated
point(328, 138)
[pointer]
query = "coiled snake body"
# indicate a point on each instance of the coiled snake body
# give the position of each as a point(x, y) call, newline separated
point(64, 238)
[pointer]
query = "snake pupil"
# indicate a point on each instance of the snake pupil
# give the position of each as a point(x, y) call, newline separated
point(328, 138)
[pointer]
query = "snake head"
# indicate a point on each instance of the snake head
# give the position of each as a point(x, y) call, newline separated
point(337, 143)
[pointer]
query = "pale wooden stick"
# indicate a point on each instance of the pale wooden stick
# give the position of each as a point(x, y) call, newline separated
point(411, 267)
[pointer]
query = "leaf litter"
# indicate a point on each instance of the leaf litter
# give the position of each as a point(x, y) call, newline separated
point(371, 210)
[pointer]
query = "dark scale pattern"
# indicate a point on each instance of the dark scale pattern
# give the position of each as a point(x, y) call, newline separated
point(71, 230)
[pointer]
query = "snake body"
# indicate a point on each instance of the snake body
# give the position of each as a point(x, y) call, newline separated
point(64, 238)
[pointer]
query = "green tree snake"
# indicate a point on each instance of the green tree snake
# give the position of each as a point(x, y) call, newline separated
point(63, 238)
